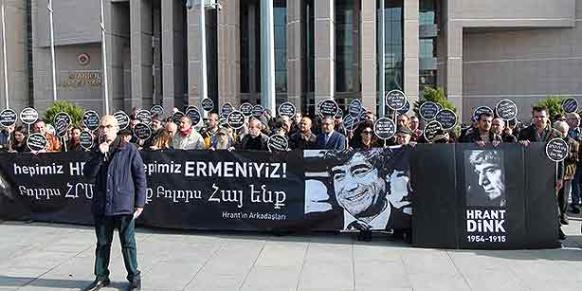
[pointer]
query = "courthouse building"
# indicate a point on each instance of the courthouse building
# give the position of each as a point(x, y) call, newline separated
point(302, 51)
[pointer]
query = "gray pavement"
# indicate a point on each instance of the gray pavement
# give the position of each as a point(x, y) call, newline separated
point(60, 257)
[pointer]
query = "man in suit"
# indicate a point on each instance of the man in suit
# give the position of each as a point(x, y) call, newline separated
point(329, 139)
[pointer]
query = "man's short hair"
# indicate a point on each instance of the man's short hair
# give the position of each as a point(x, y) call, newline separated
point(485, 156)
point(539, 109)
point(486, 114)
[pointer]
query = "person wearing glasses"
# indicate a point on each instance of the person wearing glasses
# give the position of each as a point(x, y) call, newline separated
point(119, 198)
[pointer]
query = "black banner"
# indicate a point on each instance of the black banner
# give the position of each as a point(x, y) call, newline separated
point(464, 196)
point(220, 190)
point(490, 198)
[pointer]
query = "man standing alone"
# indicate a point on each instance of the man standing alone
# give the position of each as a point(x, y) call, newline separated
point(120, 186)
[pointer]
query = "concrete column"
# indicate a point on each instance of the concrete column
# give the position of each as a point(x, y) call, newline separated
point(411, 49)
point(16, 50)
point(117, 36)
point(267, 56)
point(324, 49)
point(454, 59)
point(368, 54)
point(229, 52)
point(295, 48)
point(194, 57)
point(141, 53)
point(172, 55)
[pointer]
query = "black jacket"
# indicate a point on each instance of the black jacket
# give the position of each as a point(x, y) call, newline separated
point(297, 142)
point(120, 181)
point(475, 136)
point(530, 134)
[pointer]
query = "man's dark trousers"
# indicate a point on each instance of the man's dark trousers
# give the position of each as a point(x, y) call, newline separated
point(104, 227)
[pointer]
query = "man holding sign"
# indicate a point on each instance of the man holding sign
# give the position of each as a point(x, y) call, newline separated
point(120, 190)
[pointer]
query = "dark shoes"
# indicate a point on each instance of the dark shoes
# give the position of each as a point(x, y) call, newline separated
point(97, 284)
point(575, 208)
point(135, 284)
point(562, 235)
point(564, 220)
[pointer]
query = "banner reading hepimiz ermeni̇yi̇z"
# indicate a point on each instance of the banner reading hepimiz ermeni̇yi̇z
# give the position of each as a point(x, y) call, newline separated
point(311, 190)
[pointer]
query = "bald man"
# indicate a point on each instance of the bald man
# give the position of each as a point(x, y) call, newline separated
point(304, 137)
point(119, 198)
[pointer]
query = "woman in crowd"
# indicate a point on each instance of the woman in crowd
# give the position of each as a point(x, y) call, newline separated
point(162, 141)
point(74, 142)
point(18, 140)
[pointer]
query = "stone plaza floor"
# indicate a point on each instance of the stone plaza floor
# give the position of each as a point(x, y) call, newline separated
point(35, 256)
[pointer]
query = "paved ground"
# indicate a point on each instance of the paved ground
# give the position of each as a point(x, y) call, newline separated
point(56, 257)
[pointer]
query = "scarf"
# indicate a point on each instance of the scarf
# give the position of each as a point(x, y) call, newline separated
point(185, 133)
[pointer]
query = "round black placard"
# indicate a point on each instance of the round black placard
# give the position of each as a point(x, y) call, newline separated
point(144, 116)
point(61, 122)
point(195, 116)
point(157, 110)
point(447, 118)
point(384, 128)
point(557, 149)
point(207, 104)
point(258, 111)
point(177, 116)
point(36, 142)
point(350, 123)
point(142, 131)
point(86, 140)
point(287, 109)
point(122, 119)
point(277, 143)
point(91, 120)
point(395, 99)
point(506, 109)
point(328, 108)
point(226, 109)
point(29, 115)
point(431, 130)
point(8, 117)
point(236, 119)
point(355, 108)
point(570, 105)
point(246, 109)
point(428, 110)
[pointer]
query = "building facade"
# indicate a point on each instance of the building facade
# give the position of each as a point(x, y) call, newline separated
point(302, 51)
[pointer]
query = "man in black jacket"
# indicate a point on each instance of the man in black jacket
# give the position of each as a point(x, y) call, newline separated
point(120, 190)
point(254, 139)
point(303, 138)
point(482, 134)
point(541, 131)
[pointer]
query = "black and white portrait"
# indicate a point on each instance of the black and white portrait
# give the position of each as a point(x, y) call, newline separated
point(372, 187)
point(485, 178)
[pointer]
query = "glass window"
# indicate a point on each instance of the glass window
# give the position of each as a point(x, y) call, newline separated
point(280, 20)
point(347, 44)
point(393, 47)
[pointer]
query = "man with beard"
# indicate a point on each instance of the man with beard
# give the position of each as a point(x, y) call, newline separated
point(211, 129)
point(483, 135)
point(303, 138)
point(487, 167)
point(254, 139)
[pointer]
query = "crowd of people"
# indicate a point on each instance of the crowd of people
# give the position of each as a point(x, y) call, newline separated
point(329, 133)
